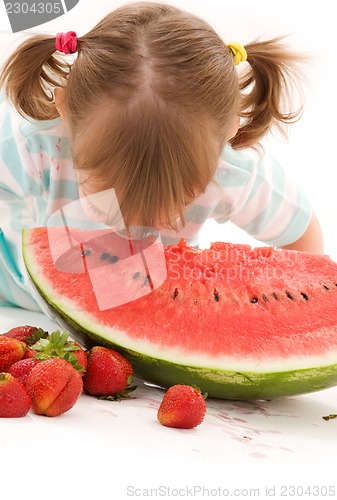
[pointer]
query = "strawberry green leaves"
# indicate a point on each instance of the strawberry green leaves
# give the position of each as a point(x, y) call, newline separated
point(57, 345)
point(330, 417)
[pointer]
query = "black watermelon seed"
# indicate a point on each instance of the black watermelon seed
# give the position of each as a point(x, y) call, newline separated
point(136, 275)
point(86, 252)
point(104, 256)
point(289, 296)
point(326, 287)
point(275, 296)
point(264, 298)
point(305, 296)
point(254, 300)
point(216, 295)
point(175, 293)
point(113, 259)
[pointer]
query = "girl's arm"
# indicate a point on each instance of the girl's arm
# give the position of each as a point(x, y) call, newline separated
point(311, 240)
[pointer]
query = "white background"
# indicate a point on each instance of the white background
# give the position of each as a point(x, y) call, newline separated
point(310, 153)
point(100, 454)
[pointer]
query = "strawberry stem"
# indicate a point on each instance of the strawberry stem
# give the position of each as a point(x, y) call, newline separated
point(36, 336)
point(330, 417)
point(195, 387)
point(57, 345)
point(118, 396)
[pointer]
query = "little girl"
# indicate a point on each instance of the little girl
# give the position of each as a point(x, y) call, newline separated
point(152, 106)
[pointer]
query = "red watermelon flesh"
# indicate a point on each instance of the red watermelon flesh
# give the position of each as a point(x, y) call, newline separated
point(240, 322)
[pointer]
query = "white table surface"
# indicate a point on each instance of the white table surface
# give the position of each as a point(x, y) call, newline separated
point(105, 447)
point(119, 450)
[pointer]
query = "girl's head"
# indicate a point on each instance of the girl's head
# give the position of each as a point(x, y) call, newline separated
point(150, 101)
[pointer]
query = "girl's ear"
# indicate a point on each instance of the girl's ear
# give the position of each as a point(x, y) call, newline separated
point(235, 127)
point(59, 94)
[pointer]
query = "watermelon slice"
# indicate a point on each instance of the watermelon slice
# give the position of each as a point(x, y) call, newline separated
point(241, 323)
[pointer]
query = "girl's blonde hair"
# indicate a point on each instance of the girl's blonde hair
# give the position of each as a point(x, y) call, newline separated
point(150, 102)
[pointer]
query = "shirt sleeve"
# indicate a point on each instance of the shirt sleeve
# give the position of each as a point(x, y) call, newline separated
point(18, 187)
point(261, 198)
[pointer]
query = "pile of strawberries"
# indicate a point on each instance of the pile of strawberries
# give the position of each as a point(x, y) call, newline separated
point(48, 372)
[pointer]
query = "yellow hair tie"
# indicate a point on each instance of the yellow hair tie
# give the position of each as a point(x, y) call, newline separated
point(240, 53)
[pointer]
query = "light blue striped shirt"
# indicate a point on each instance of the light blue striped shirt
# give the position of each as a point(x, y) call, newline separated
point(37, 179)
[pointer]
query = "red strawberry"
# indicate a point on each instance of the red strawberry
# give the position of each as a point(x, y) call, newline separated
point(21, 369)
point(183, 406)
point(82, 357)
point(11, 350)
point(108, 373)
point(30, 335)
point(22, 333)
point(30, 353)
point(14, 400)
point(54, 386)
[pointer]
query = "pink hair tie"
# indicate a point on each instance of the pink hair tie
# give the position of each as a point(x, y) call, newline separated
point(66, 42)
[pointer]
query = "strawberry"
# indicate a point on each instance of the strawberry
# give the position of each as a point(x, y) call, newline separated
point(21, 369)
point(108, 374)
point(54, 386)
point(11, 350)
point(82, 358)
point(27, 334)
point(57, 345)
point(183, 406)
point(14, 400)
point(30, 353)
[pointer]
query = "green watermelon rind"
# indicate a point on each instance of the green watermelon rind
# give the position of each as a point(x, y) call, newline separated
point(221, 384)
point(218, 383)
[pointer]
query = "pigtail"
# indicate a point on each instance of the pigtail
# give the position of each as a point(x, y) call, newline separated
point(266, 90)
point(29, 75)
